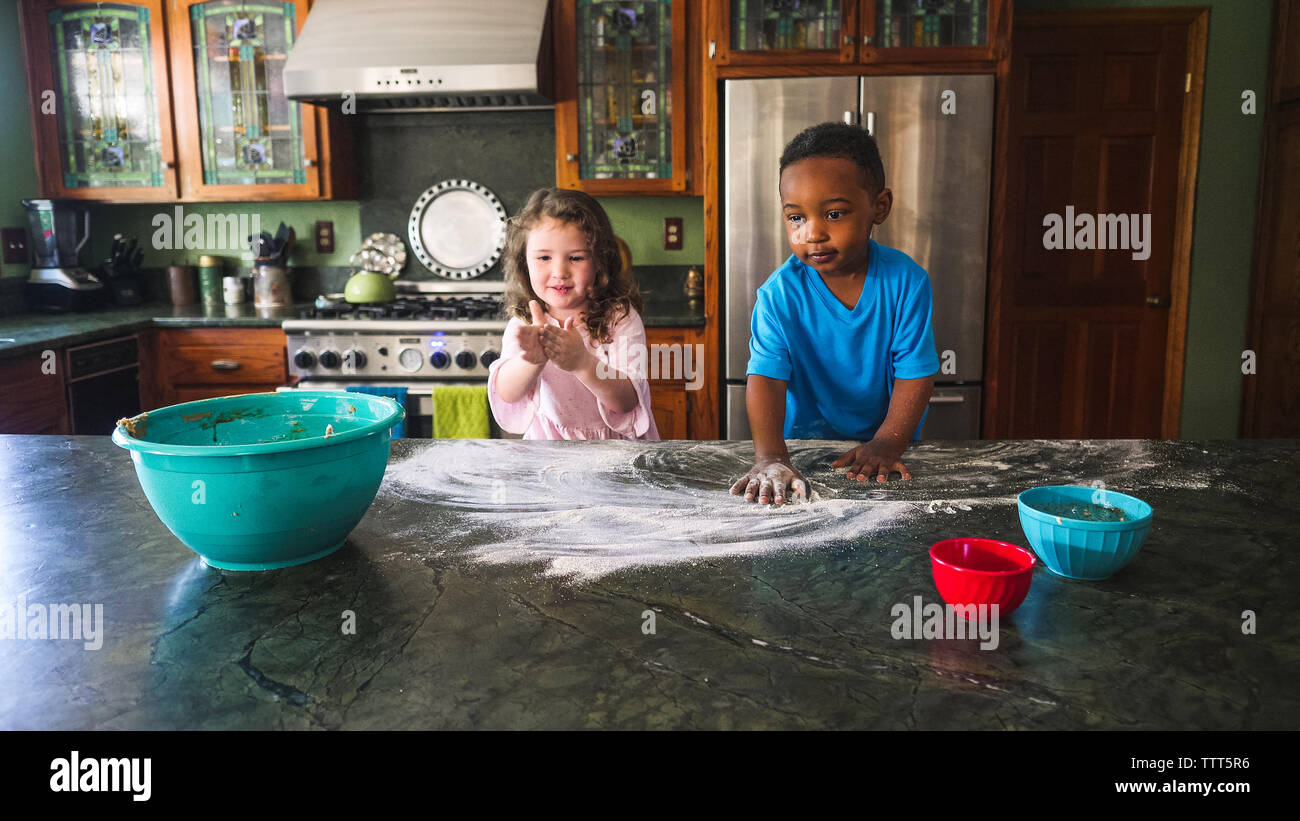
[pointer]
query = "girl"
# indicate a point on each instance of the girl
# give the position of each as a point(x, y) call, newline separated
point(564, 370)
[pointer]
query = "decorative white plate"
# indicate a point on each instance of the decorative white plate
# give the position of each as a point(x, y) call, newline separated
point(457, 229)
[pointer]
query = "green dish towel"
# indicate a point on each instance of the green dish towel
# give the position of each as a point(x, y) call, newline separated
point(460, 412)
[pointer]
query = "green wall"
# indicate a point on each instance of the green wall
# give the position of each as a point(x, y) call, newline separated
point(640, 222)
point(1226, 188)
point(17, 166)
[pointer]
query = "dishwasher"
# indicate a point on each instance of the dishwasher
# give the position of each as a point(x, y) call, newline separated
point(103, 380)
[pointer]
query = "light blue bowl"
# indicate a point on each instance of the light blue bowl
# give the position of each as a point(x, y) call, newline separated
point(253, 482)
point(1080, 548)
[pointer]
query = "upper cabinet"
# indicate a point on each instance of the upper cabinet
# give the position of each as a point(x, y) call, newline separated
point(239, 130)
point(100, 100)
point(795, 32)
point(620, 120)
point(137, 101)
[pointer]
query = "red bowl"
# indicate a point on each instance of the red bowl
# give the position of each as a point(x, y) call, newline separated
point(982, 571)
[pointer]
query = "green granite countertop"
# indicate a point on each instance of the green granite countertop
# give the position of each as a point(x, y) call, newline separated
point(507, 584)
point(673, 313)
point(26, 333)
point(33, 332)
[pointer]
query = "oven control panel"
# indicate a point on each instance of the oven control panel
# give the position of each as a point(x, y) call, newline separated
point(400, 357)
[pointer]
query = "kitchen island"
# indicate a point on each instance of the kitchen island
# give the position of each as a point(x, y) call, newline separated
point(498, 584)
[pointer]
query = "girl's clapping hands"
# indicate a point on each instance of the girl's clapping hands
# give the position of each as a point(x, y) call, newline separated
point(564, 346)
point(529, 337)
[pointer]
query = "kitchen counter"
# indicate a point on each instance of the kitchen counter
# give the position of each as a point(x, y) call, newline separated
point(512, 584)
point(36, 332)
point(677, 312)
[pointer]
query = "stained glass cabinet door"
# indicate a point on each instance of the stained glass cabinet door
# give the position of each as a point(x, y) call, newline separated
point(620, 122)
point(786, 32)
point(239, 135)
point(101, 116)
point(918, 31)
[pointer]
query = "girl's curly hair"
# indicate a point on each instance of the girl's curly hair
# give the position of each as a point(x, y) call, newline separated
point(613, 293)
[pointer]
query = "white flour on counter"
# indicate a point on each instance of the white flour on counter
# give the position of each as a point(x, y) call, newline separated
point(589, 511)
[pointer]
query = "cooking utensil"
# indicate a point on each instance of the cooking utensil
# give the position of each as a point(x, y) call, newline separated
point(982, 571)
point(381, 257)
point(1080, 547)
point(288, 475)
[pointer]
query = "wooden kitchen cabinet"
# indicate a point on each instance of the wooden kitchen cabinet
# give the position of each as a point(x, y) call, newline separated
point(790, 33)
point(621, 117)
point(200, 363)
point(101, 104)
point(683, 401)
point(146, 100)
point(34, 400)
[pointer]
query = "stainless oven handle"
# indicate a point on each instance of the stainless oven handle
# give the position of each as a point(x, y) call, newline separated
point(947, 399)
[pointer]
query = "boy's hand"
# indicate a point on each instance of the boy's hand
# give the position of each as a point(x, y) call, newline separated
point(529, 337)
point(564, 347)
point(879, 457)
point(770, 480)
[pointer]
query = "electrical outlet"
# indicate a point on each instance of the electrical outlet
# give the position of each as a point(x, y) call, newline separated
point(672, 233)
point(14, 242)
point(324, 237)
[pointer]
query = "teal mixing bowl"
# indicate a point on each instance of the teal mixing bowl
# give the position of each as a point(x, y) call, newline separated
point(263, 480)
point(1083, 532)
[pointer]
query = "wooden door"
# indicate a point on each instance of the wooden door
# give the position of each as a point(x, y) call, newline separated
point(100, 99)
point(1271, 395)
point(1080, 341)
point(240, 137)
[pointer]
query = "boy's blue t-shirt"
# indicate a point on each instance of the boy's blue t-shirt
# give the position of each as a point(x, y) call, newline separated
point(841, 363)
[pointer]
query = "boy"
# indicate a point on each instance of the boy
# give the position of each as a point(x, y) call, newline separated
point(841, 344)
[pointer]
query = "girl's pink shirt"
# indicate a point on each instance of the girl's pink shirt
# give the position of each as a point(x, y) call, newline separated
point(561, 407)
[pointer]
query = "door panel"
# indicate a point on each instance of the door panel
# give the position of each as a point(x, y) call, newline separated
point(1095, 120)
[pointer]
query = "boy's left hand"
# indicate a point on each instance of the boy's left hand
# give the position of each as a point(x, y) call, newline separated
point(878, 458)
point(564, 347)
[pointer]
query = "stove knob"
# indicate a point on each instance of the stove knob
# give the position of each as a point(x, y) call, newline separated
point(466, 359)
point(488, 357)
point(439, 359)
point(329, 359)
point(355, 359)
point(383, 351)
point(304, 359)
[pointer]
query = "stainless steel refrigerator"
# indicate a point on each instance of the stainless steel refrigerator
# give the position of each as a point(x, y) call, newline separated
point(936, 140)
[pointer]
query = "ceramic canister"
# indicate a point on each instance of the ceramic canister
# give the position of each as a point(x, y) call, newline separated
point(233, 290)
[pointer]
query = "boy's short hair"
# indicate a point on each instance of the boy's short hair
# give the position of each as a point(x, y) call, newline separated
point(839, 140)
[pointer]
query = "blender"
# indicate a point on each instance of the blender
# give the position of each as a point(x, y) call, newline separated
point(57, 282)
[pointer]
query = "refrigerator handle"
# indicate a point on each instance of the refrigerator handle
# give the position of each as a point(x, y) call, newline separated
point(871, 123)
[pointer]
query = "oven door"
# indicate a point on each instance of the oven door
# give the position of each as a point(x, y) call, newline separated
point(419, 403)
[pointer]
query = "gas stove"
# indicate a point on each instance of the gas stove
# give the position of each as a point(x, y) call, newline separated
point(427, 335)
point(417, 307)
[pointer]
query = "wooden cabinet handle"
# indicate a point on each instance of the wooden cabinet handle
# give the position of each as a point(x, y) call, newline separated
point(225, 365)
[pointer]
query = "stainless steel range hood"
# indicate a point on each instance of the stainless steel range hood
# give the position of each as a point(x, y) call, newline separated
point(423, 55)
